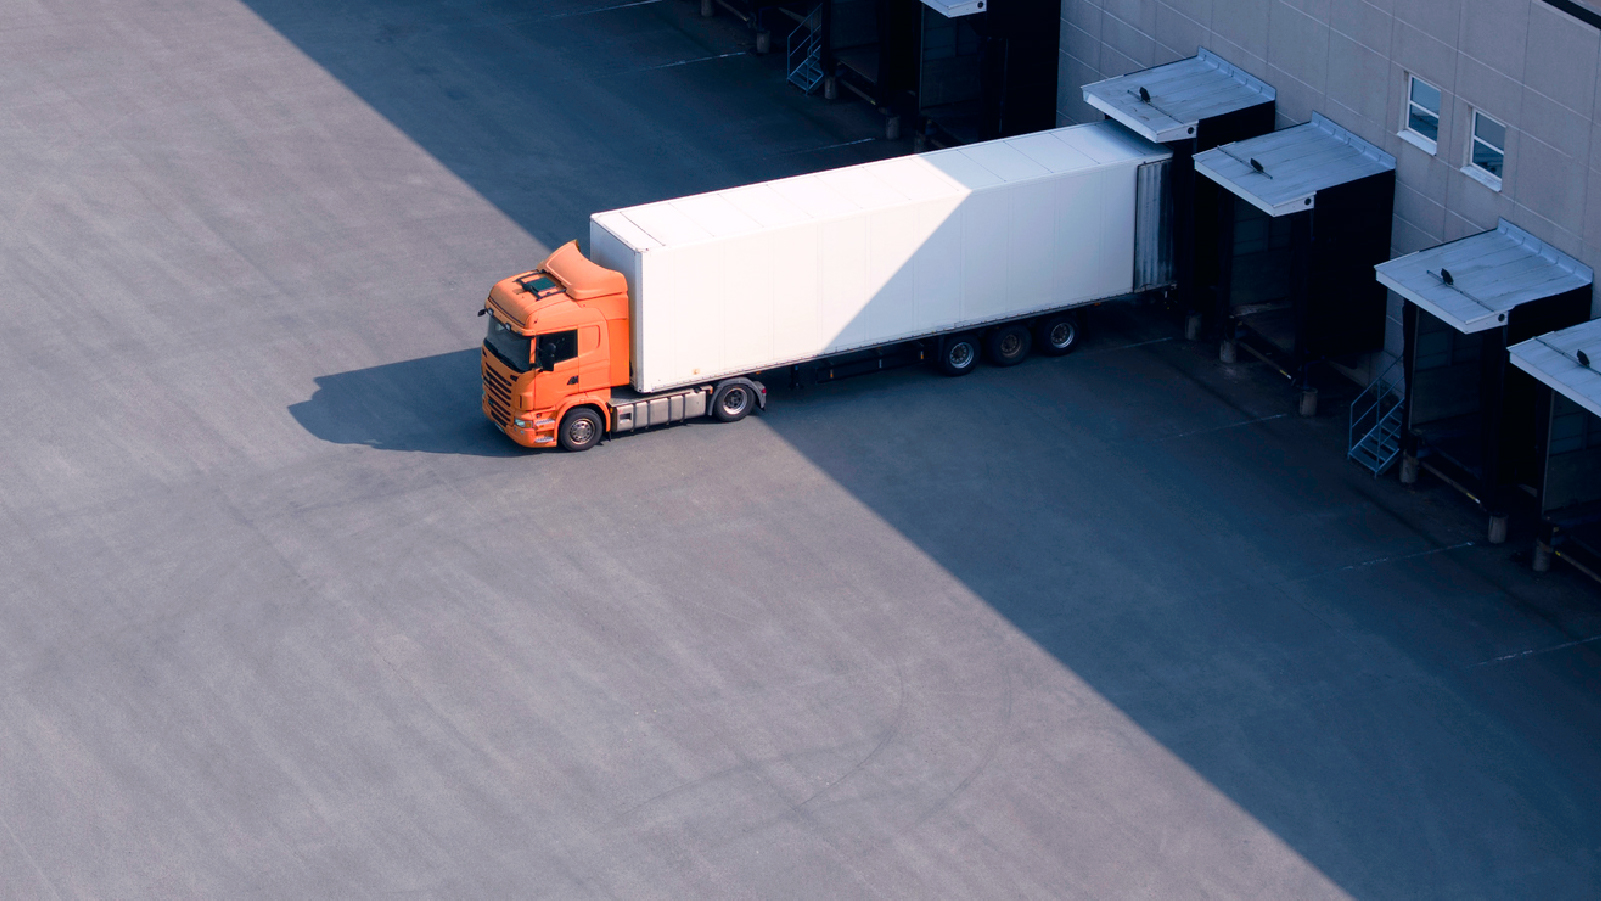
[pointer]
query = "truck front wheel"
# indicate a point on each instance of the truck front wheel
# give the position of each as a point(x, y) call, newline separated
point(958, 355)
point(732, 401)
point(580, 429)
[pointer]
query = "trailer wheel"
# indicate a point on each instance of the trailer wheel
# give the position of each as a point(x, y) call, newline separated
point(1008, 345)
point(1057, 335)
point(732, 401)
point(958, 355)
point(580, 429)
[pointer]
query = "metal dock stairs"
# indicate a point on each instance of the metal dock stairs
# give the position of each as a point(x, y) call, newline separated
point(1375, 427)
point(804, 52)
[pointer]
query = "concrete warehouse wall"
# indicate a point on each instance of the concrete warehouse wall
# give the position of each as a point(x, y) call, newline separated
point(1526, 63)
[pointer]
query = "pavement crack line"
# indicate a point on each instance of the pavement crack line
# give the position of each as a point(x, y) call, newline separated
point(1378, 560)
point(682, 62)
point(815, 149)
point(1106, 350)
point(883, 742)
point(1219, 428)
point(1534, 651)
point(590, 12)
point(1374, 562)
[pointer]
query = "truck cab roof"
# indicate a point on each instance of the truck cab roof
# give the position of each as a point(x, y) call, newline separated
point(584, 280)
point(567, 279)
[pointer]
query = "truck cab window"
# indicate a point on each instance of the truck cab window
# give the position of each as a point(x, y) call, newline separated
point(555, 347)
point(512, 348)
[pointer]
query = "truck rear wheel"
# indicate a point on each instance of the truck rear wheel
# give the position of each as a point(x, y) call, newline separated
point(1008, 345)
point(580, 429)
point(732, 401)
point(958, 355)
point(1057, 335)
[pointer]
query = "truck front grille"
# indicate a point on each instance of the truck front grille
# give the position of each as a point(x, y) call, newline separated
point(497, 391)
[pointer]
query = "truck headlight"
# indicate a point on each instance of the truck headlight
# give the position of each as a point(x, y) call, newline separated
point(522, 423)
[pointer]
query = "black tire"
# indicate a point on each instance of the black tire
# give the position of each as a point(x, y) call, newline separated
point(1008, 345)
point(1056, 335)
point(732, 401)
point(958, 355)
point(580, 429)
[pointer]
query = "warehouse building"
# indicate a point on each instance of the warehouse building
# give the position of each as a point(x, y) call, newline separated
point(1489, 108)
point(1487, 111)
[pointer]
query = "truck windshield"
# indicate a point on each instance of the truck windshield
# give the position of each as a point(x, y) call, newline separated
point(513, 349)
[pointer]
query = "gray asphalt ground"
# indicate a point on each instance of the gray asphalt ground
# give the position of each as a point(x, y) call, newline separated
point(281, 616)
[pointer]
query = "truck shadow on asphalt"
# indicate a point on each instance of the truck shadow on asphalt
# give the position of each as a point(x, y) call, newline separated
point(428, 405)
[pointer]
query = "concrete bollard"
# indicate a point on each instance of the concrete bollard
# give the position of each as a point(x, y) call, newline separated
point(1409, 469)
point(830, 88)
point(1497, 531)
point(1192, 327)
point(1308, 402)
point(1542, 557)
point(708, 8)
point(764, 42)
point(1227, 352)
point(892, 128)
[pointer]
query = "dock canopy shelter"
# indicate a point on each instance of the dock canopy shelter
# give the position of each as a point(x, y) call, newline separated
point(1567, 442)
point(1307, 217)
point(953, 8)
point(947, 71)
point(1466, 415)
point(1191, 105)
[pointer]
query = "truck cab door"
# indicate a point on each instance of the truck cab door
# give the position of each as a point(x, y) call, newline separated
point(556, 359)
point(594, 358)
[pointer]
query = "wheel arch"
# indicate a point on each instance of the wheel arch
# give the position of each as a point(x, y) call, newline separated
point(757, 390)
point(599, 407)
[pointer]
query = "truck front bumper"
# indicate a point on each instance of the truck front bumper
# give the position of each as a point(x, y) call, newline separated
point(538, 431)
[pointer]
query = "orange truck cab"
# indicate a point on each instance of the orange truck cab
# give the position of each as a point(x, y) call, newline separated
point(556, 360)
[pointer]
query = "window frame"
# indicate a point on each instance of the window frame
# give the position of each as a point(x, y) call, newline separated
point(556, 348)
point(1476, 170)
point(1408, 133)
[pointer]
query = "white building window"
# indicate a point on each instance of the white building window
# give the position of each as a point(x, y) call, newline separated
point(1422, 126)
point(1487, 150)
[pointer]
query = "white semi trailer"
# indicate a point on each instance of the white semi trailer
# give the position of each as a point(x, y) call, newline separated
point(979, 250)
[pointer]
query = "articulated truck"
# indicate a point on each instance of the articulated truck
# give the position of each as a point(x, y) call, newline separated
point(980, 251)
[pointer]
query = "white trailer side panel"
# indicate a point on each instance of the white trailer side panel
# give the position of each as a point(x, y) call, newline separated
point(764, 275)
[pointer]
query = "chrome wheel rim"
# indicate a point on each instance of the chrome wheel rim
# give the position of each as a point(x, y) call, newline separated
point(1011, 344)
point(734, 400)
point(1061, 334)
point(960, 354)
point(581, 431)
